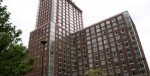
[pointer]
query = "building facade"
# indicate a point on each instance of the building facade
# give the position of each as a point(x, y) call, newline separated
point(112, 44)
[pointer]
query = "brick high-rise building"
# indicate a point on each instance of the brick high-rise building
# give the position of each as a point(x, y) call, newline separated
point(112, 44)
point(56, 20)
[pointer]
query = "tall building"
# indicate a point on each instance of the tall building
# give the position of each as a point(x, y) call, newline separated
point(56, 20)
point(112, 44)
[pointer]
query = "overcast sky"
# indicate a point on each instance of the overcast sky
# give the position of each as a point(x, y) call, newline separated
point(24, 12)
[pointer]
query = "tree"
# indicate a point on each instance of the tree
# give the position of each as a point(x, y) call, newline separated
point(92, 72)
point(14, 57)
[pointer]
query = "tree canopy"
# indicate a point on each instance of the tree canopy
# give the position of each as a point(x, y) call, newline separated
point(14, 57)
point(94, 72)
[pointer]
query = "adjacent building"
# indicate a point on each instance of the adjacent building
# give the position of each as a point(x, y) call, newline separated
point(112, 44)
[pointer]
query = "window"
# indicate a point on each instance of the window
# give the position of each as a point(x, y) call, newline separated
point(89, 46)
point(108, 55)
point(123, 62)
point(91, 65)
point(103, 28)
point(95, 53)
point(109, 30)
point(117, 37)
point(115, 59)
point(131, 60)
point(121, 57)
point(92, 32)
point(118, 42)
point(103, 33)
point(120, 52)
point(100, 47)
point(114, 54)
point(93, 36)
point(133, 72)
point(129, 55)
point(113, 49)
point(134, 43)
point(142, 72)
point(110, 35)
point(88, 38)
point(102, 57)
point(92, 28)
point(89, 42)
point(106, 46)
point(96, 63)
point(113, 20)
point(104, 37)
point(124, 34)
point(114, 24)
point(107, 22)
point(110, 71)
point(87, 30)
point(96, 58)
point(107, 50)
point(97, 26)
point(94, 40)
point(108, 26)
point(119, 17)
point(122, 30)
point(116, 64)
point(103, 62)
point(99, 38)
point(127, 45)
point(94, 44)
point(102, 24)
point(122, 26)
point(87, 34)
point(112, 44)
point(85, 66)
point(131, 33)
point(109, 61)
point(125, 39)
point(98, 34)
point(111, 39)
point(97, 30)
point(126, 74)
point(118, 71)
point(105, 41)
point(115, 28)
point(120, 47)
point(100, 43)
point(90, 60)
point(90, 55)
point(116, 32)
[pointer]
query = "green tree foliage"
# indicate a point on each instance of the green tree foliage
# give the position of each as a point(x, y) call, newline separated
point(92, 72)
point(14, 57)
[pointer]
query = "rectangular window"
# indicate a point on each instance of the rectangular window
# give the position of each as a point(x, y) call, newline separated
point(119, 17)
point(100, 47)
point(109, 30)
point(93, 36)
point(113, 20)
point(92, 28)
point(97, 30)
point(102, 24)
point(107, 22)
point(100, 43)
point(97, 26)
point(98, 34)
point(99, 38)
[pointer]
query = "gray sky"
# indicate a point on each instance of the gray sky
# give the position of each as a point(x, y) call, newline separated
point(23, 15)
